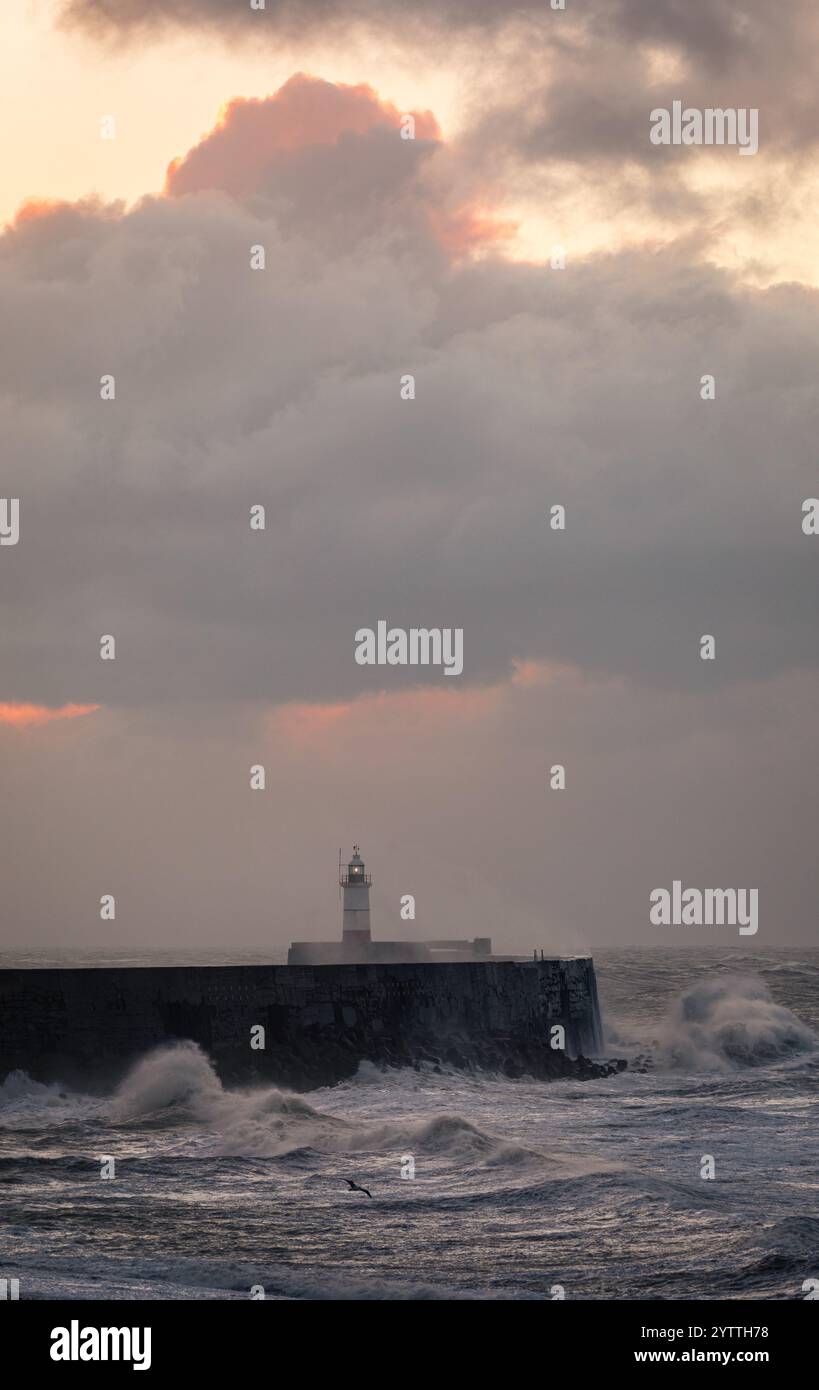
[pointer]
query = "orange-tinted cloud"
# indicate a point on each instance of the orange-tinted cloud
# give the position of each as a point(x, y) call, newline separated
point(395, 718)
point(526, 673)
point(33, 208)
point(253, 136)
point(48, 221)
point(304, 722)
point(366, 718)
point(297, 147)
point(466, 229)
point(21, 716)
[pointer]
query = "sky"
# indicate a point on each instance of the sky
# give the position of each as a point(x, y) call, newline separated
point(558, 286)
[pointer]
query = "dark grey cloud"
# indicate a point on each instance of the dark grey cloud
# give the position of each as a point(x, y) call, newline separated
point(285, 17)
point(714, 30)
point(717, 32)
point(534, 387)
point(586, 96)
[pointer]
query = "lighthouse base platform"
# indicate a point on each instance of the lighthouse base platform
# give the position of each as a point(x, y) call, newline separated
point(364, 951)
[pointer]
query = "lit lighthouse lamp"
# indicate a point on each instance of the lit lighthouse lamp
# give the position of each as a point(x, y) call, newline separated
point(355, 883)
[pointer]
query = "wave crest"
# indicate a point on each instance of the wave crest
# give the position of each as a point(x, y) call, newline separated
point(729, 1022)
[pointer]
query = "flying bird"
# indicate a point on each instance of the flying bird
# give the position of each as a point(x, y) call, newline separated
point(354, 1187)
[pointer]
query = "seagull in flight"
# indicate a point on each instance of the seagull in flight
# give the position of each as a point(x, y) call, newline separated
point(354, 1187)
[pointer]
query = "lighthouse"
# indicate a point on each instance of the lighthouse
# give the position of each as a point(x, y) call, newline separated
point(357, 946)
point(355, 883)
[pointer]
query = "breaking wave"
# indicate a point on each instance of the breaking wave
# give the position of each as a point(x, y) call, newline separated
point(178, 1082)
point(26, 1104)
point(177, 1088)
point(730, 1022)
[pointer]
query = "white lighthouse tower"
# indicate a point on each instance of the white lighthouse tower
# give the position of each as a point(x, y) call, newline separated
point(355, 882)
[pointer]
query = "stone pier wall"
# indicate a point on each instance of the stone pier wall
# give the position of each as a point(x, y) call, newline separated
point(85, 1026)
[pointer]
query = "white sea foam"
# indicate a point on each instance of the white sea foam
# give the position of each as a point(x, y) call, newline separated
point(26, 1104)
point(731, 1021)
point(179, 1084)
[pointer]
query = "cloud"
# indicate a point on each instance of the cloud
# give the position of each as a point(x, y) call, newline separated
point(22, 716)
point(258, 145)
point(720, 33)
point(237, 387)
point(284, 18)
point(582, 79)
point(323, 728)
point(326, 160)
point(554, 106)
point(576, 84)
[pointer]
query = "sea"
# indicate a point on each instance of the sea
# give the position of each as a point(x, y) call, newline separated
point(691, 1175)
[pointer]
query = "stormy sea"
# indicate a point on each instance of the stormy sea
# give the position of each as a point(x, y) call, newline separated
point(481, 1187)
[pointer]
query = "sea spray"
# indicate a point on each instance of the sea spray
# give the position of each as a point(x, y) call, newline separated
point(731, 1021)
point(178, 1084)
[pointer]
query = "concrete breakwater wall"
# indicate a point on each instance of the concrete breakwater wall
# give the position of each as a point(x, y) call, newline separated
point(86, 1027)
